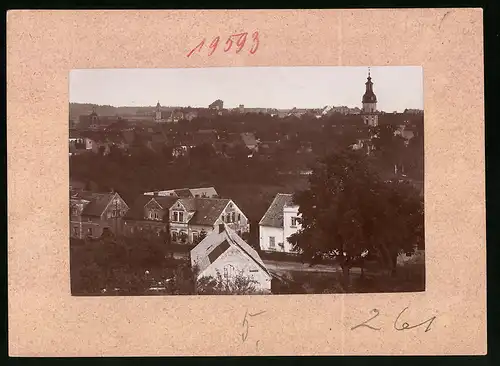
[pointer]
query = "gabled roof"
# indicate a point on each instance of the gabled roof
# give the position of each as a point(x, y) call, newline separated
point(217, 243)
point(136, 211)
point(207, 210)
point(97, 202)
point(165, 201)
point(274, 214)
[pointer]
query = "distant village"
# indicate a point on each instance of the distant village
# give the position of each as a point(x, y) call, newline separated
point(213, 229)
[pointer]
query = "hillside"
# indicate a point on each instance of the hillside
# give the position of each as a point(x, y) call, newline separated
point(78, 109)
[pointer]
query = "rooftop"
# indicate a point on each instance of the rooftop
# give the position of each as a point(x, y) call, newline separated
point(274, 214)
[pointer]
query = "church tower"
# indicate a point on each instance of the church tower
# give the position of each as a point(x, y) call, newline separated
point(369, 111)
point(158, 112)
point(94, 118)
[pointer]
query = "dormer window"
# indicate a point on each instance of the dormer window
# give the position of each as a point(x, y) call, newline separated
point(178, 216)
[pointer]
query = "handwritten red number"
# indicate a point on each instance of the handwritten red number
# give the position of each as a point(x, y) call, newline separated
point(241, 41)
point(229, 44)
point(213, 45)
point(197, 48)
point(255, 37)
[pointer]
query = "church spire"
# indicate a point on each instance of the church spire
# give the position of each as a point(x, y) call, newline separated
point(369, 96)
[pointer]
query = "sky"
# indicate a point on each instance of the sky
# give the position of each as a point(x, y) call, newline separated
point(396, 87)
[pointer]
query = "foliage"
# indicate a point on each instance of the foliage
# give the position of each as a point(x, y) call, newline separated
point(218, 285)
point(117, 263)
point(348, 212)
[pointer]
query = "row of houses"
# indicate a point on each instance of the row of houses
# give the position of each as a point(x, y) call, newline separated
point(186, 215)
point(156, 140)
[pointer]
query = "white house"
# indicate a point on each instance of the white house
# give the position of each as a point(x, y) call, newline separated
point(279, 222)
point(224, 252)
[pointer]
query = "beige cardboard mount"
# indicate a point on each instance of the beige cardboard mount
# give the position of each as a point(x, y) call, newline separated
point(45, 320)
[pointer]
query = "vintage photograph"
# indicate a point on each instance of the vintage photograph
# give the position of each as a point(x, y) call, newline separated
point(246, 180)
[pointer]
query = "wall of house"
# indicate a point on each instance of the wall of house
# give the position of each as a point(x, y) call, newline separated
point(112, 216)
point(196, 229)
point(92, 227)
point(133, 227)
point(265, 232)
point(234, 218)
point(233, 263)
point(288, 229)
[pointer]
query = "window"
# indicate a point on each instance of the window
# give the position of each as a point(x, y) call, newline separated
point(181, 216)
point(75, 231)
point(222, 217)
point(195, 237)
point(234, 217)
point(89, 231)
point(225, 273)
point(151, 215)
point(89, 219)
point(228, 218)
point(174, 236)
point(272, 242)
point(295, 221)
point(239, 218)
point(156, 216)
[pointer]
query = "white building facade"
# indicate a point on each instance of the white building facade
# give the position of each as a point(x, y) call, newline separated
point(224, 253)
point(281, 220)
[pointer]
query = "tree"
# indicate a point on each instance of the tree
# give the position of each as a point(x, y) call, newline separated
point(348, 212)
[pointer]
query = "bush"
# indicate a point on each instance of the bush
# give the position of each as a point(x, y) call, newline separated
point(238, 285)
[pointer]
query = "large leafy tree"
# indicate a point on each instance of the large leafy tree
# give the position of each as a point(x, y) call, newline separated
point(348, 212)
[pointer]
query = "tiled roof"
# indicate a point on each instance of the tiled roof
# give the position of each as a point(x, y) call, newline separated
point(216, 243)
point(207, 210)
point(136, 211)
point(97, 201)
point(274, 214)
point(165, 201)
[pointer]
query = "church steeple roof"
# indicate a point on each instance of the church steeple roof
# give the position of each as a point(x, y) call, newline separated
point(369, 96)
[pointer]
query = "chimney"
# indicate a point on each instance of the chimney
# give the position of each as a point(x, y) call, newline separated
point(221, 228)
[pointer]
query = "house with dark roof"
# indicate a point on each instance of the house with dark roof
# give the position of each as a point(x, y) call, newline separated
point(224, 252)
point(93, 214)
point(189, 217)
point(281, 220)
point(148, 216)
